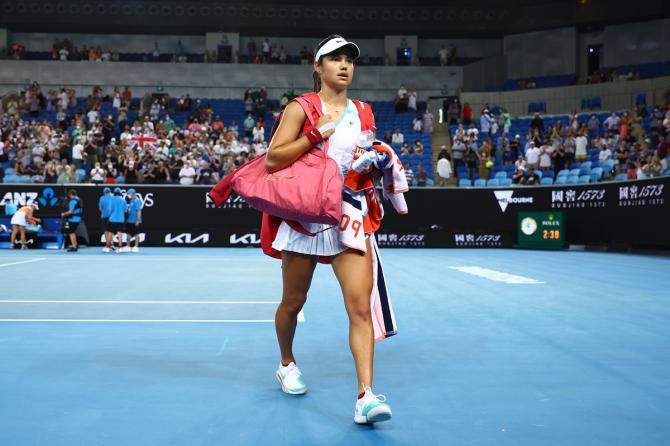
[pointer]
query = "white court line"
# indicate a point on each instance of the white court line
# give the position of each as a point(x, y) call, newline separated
point(147, 302)
point(23, 261)
point(168, 321)
point(497, 276)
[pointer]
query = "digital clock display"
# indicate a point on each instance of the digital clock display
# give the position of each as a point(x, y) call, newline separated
point(540, 230)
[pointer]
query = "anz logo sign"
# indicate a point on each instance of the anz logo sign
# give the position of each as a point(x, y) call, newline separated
point(47, 198)
point(187, 239)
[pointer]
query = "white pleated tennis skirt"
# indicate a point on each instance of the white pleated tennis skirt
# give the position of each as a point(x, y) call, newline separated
point(325, 243)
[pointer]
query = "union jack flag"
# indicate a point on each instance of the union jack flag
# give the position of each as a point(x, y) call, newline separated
point(138, 142)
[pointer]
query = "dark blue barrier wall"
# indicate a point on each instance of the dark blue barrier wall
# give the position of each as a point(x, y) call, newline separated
point(633, 213)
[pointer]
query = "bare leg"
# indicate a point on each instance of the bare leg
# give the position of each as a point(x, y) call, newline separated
point(12, 237)
point(73, 240)
point(297, 272)
point(23, 235)
point(354, 272)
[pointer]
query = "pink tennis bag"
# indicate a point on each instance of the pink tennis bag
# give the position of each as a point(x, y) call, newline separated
point(309, 190)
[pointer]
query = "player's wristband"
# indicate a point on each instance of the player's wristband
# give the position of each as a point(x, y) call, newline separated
point(314, 135)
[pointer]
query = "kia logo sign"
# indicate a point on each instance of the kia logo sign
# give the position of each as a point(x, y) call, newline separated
point(246, 239)
point(186, 239)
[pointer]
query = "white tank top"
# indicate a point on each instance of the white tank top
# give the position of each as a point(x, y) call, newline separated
point(342, 142)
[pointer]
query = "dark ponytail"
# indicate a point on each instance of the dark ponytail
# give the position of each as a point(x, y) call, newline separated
point(315, 75)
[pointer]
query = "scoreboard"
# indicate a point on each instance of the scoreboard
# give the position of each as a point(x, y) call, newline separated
point(541, 230)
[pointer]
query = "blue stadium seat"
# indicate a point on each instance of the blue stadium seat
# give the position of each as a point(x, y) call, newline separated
point(562, 180)
point(596, 174)
point(563, 173)
point(480, 182)
point(572, 179)
point(584, 179)
point(501, 175)
point(586, 164)
point(493, 182)
point(546, 181)
point(621, 177)
point(464, 183)
point(505, 181)
point(574, 172)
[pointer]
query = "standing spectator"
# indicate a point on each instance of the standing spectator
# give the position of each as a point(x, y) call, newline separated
point(486, 121)
point(444, 171)
point(537, 123)
point(63, 53)
point(559, 157)
point(78, 153)
point(485, 161)
point(467, 114)
point(612, 123)
point(443, 53)
point(266, 51)
point(458, 150)
point(411, 101)
point(251, 48)
point(97, 174)
point(156, 53)
point(581, 142)
point(532, 156)
point(249, 124)
point(187, 174)
point(401, 100)
point(546, 152)
point(594, 126)
point(258, 132)
point(428, 120)
point(507, 120)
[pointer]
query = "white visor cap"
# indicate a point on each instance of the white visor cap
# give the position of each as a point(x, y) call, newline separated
point(335, 44)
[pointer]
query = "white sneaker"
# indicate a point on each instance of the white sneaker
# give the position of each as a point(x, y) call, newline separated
point(125, 249)
point(105, 249)
point(290, 379)
point(135, 249)
point(371, 408)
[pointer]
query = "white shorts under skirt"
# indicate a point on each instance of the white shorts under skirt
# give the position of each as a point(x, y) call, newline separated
point(324, 243)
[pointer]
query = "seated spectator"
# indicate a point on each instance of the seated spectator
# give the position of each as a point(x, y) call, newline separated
point(605, 154)
point(532, 179)
point(421, 176)
point(409, 173)
point(519, 176)
point(398, 137)
point(404, 150)
point(417, 125)
point(418, 148)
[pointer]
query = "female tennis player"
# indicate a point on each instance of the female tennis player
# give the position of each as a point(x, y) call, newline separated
point(341, 126)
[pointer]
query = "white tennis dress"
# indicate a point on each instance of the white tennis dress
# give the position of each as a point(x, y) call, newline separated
point(326, 242)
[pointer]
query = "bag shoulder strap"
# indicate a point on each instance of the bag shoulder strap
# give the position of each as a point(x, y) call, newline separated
point(308, 102)
point(365, 114)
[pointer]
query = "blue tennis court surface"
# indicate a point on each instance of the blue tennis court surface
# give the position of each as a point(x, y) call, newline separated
point(177, 347)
